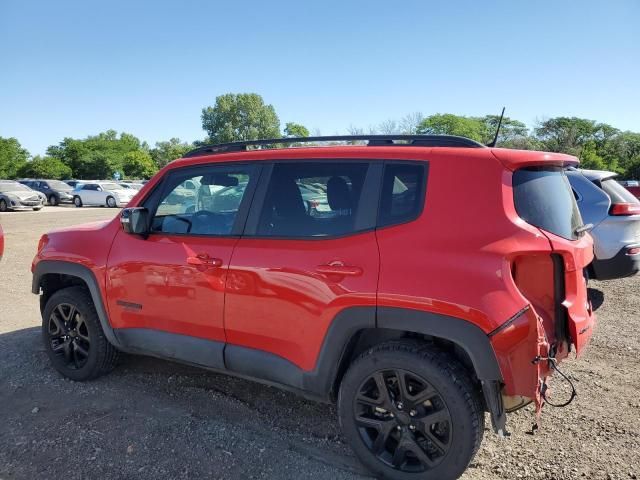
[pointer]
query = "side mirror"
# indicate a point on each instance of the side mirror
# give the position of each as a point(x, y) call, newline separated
point(135, 220)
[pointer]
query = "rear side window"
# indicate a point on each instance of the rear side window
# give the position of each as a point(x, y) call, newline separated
point(310, 199)
point(617, 192)
point(402, 195)
point(543, 198)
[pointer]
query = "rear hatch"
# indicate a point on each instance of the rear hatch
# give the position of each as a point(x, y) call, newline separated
point(543, 198)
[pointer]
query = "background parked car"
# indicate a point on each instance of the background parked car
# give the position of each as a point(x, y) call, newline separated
point(615, 214)
point(15, 196)
point(632, 185)
point(72, 183)
point(132, 185)
point(109, 194)
point(55, 191)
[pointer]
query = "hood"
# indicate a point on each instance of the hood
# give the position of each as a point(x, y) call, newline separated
point(23, 195)
point(83, 227)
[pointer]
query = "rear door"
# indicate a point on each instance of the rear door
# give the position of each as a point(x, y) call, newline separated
point(298, 265)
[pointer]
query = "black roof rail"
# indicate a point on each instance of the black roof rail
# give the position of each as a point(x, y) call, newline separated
point(372, 141)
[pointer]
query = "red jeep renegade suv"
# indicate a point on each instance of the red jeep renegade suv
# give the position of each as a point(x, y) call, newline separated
point(418, 281)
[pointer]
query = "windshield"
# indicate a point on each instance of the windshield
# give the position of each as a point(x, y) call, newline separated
point(13, 187)
point(58, 185)
point(543, 198)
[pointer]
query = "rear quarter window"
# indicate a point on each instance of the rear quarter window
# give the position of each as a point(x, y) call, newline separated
point(544, 198)
point(403, 190)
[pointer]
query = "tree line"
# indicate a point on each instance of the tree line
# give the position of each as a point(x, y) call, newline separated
point(245, 116)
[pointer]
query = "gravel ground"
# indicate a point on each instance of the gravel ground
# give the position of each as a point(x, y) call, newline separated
point(152, 419)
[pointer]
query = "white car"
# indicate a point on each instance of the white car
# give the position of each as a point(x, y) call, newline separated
point(102, 193)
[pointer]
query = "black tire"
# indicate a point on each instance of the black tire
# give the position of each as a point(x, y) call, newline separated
point(111, 202)
point(442, 420)
point(3, 205)
point(37, 209)
point(77, 201)
point(81, 355)
point(53, 200)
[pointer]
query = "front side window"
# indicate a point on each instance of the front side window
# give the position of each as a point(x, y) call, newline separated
point(203, 202)
point(543, 197)
point(312, 199)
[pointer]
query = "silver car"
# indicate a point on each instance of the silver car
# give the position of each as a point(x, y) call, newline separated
point(15, 196)
point(615, 215)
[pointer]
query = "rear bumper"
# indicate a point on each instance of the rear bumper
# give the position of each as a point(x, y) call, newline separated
point(619, 266)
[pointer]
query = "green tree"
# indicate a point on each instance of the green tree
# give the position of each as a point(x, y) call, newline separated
point(138, 164)
point(165, 152)
point(242, 116)
point(565, 134)
point(45, 167)
point(449, 124)
point(96, 156)
point(295, 130)
point(510, 130)
point(589, 157)
point(12, 157)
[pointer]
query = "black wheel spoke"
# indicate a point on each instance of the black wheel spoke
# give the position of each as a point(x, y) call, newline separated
point(383, 436)
point(413, 447)
point(383, 390)
point(402, 386)
point(81, 350)
point(59, 324)
point(399, 454)
point(67, 351)
point(434, 417)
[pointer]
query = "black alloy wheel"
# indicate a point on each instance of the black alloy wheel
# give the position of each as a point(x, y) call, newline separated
point(69, 335)
point(403, 420)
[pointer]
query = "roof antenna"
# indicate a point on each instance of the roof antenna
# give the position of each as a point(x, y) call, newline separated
point(495, 139)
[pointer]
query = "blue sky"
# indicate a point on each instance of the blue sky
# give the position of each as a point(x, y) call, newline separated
point(75, 68)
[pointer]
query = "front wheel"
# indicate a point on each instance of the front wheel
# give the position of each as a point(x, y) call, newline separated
point(111, 202)
point(411, 412)
point(73, 337)
point(3, 205)
point(53, 200)
point(37, 209)
point(77, 201)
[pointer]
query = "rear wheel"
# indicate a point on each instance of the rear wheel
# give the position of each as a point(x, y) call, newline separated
point(73, 337)
point(53, 200)
point(3, 205)
point(37, 209)
point(411, 412)
point(111, 202)
point(77, 201)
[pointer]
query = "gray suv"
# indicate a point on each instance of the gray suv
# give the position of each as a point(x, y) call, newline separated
point(615, 215)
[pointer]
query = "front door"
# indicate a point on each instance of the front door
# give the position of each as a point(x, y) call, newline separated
point(166, 292)
point(309, 251)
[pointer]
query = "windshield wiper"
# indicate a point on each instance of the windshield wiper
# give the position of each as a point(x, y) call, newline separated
point(583, 228)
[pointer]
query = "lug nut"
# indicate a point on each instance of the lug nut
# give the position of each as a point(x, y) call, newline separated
point(399, 405)
point(391, 414)
point(412, 413)
point(398, 427)
point(412, 427)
